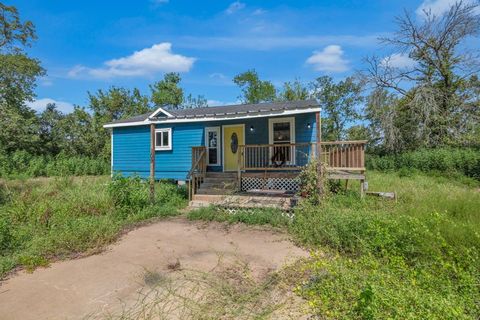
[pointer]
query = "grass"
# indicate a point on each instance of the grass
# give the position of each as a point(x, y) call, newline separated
point(228, 291)
point(417, 258)
point(53, 218)
point(270, 216)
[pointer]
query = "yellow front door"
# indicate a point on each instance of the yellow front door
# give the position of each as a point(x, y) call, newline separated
point(233, 137)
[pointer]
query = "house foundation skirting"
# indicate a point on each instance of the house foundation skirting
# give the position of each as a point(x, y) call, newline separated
point(270, 181)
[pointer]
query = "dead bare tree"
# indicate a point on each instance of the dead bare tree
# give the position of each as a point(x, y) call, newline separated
point(436, 67)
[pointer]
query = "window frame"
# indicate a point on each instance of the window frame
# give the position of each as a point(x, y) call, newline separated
point(291, 120)
point(219, 145)
point(163, 131)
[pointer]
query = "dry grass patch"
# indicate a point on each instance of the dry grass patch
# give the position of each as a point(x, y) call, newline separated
point(228, 291)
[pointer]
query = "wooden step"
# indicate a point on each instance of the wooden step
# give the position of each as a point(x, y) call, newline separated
point(220, 185)
point(199, 204)
point(208, 197)
point(213, 191)
point(242, 201)
point(220, 180)
point(221, 175)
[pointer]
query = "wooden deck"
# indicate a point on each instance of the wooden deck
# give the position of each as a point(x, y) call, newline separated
point(271, 170)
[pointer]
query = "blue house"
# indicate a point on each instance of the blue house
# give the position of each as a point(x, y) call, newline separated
point(244, 142)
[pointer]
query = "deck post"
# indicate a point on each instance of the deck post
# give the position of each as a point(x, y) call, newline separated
point(319, 153)
point(152, 163)
point(239, 170)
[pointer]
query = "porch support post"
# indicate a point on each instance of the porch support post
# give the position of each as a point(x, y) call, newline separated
point(319, 152)
point(239, 169)
point(152, 163)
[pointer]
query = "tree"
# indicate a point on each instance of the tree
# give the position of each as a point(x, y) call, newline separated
point(294, 91)
point(13, 32)
point(80, 136)
point(432, 85)
point(191, 102)
point(17, 131)
point(339, 102)
point(358, 132)
point(18, 74)
point(49, 130)
point(253, 89)
point(114, 104)
point(117, 103)
point(166, 92)
point(381, 113)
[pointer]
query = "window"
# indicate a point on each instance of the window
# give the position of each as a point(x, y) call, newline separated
point(282, 132)
point(163, 139)
point(212, 142)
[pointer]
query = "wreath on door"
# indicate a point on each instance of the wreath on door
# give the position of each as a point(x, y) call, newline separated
point(234, 143)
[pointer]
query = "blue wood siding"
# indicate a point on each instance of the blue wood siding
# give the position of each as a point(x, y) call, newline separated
point(131, 145)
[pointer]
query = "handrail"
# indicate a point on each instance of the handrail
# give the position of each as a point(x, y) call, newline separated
point(337, 155)
point(194, 167)
point(199, 165)
point(344, 142)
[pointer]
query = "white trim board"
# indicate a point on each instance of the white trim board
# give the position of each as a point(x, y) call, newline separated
point(169, 132)
point(279, 120)
point(291, 120)
point(219, 144)
point(111, 154)
point(168, 114)
point(213, 118)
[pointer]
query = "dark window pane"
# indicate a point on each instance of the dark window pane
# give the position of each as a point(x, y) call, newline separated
point(212, 156)
point(165, 139)
point(158, 139)
point(281, 132)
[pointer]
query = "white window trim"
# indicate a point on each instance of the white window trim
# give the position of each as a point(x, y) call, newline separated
point(219, 144)
point(271, 121)
point(169, 132)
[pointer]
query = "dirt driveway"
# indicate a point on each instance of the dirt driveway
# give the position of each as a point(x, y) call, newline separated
point(113, 283)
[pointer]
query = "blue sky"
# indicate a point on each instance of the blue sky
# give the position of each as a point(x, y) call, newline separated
point(90, 45)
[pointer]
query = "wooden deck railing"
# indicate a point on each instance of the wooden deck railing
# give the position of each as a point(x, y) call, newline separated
point(198, 171)
point(338, 155)
point(275, 156)
point(344, 155)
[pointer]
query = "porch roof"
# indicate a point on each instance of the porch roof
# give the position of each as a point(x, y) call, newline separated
point(239, 111)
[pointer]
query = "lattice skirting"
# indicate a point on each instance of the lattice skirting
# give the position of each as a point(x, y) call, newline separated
point(237, 210)
point(288, 184)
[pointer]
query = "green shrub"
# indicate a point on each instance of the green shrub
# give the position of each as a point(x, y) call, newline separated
point(129, 192)
point(418, 258)
point(5, 235)
point(446, 160)
point(23, 164)
point(260, 216)
point(55, 217)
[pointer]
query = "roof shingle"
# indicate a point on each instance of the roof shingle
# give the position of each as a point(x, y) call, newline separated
point(228, 110)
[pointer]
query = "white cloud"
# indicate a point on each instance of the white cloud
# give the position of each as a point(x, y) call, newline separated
point(234, 7)
point(216, 103)
point(259, 12)
point(398, 60)
point(438, 7)
point(148, 61)
point(46, 82)
point(330, 59)
point(40, 105)
point(217, 75)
